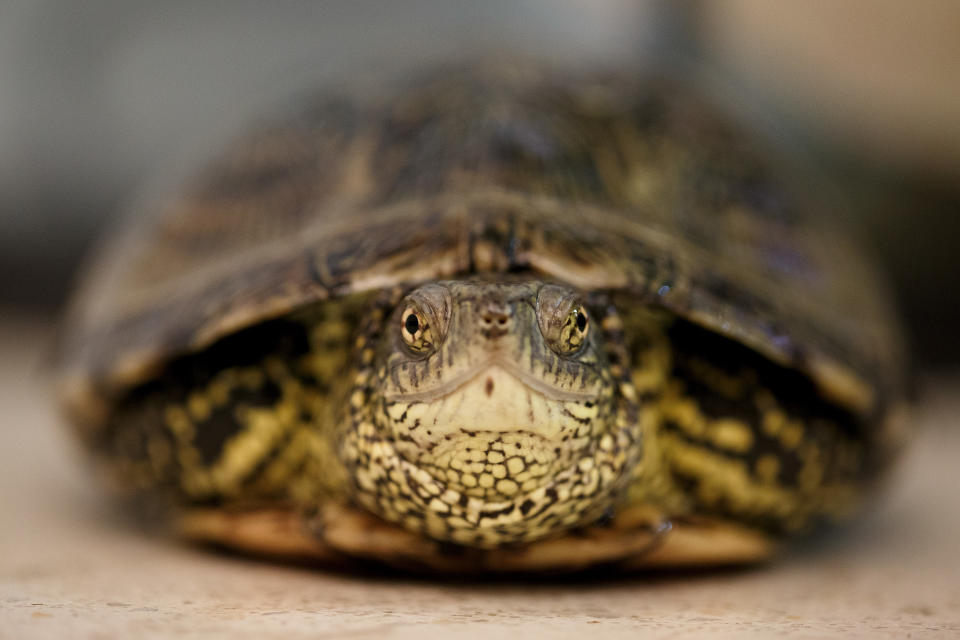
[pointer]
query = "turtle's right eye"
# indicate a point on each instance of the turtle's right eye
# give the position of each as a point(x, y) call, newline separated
point(415, 329)
point(423, 318)
point(412, 324)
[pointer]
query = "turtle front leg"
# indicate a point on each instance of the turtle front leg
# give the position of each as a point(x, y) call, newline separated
point(731, 437)
point(248, 421)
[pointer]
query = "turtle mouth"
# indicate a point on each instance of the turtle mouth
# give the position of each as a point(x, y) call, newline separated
point(485, 371)
point(495, 416)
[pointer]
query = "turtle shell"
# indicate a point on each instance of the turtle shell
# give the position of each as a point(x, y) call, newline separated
point(602, 181)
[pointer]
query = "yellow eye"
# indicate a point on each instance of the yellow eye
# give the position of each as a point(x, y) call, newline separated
point(415, 330)
point(423, 318)
point(564, 322)
point(574, 329)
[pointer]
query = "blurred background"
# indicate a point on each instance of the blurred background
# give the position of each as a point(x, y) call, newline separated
point(96, 97)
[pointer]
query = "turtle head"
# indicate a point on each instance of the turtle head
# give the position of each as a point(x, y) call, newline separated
point(489, 413)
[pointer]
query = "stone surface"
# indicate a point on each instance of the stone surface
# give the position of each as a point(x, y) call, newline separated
point(70, 568)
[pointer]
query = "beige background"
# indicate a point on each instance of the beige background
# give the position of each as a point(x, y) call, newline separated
point(69, 568)
point(876, 76)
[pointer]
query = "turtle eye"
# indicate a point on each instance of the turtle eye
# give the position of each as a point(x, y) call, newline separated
point(574, 330)
point(564, 322)
point(424, 317)
point(415, 329)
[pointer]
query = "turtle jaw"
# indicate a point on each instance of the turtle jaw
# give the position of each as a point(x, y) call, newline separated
point(501, 466)
point(418, 498)
point(497, 435)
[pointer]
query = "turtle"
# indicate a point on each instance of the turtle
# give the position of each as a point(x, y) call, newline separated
point(489, 318)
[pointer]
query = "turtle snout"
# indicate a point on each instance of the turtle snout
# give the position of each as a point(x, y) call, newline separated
point(495, 319)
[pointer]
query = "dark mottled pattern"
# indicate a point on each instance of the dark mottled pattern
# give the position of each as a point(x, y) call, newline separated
point(138, 421)
point(837, 435)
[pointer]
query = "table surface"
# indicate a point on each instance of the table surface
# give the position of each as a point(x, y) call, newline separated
point(68, 568)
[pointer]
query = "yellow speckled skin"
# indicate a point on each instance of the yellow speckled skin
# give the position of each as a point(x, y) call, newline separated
point(509, 426)
point(730, 434)
point(495, 313)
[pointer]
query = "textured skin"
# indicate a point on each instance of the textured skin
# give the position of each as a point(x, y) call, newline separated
point(451, 443)
point(608, 185)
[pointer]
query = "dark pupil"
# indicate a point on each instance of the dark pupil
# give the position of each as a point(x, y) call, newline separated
point(412, 324)
point(581, 321)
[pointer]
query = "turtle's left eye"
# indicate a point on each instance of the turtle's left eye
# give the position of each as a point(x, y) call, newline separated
point(574, 329)
point(415, 329)
point(564, 321)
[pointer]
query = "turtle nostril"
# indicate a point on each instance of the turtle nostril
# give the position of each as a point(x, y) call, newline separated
point(495, 321)
point(492, 318)
point(495, 317)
